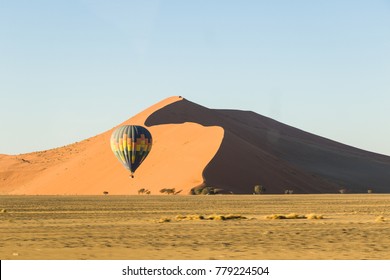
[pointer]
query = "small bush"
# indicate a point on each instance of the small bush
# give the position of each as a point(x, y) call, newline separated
point(168, 191)
point(258, 189)
point(164, 220)
point(144, 191)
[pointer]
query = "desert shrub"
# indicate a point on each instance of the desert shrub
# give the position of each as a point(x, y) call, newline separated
point(168, 191)
point(194, 191)
point(259, 189)
point(370, 191)
point(105, 193)
point(288, 191)
point(206, 190)
point(143, 191)
point(218, 191)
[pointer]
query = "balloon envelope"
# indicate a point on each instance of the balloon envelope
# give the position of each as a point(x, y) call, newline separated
point(131, 144)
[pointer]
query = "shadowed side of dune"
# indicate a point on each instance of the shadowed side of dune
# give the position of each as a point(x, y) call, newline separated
point(259, 150)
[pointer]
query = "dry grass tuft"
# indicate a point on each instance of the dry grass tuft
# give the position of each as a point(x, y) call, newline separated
point(227, 217)
point(294, 216)
point(196, 217)
point(276, 217)
point(189, 217)
point(313, 216)
point(380, 219)
point(216, 217)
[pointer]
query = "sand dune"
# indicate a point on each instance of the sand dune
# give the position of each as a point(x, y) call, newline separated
point(194, 145)
point(180, 153)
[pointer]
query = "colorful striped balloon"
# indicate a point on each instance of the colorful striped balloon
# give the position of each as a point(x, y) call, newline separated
point(131, 144)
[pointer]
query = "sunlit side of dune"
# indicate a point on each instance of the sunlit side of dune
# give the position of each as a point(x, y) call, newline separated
point(179, 154)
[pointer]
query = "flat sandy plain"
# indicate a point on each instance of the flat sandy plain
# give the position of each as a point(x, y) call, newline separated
point(127, 227)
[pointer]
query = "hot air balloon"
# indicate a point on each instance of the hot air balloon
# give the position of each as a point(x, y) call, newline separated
point(131, 144)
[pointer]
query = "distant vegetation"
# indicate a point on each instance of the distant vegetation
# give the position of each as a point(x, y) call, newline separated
point(206, 190)
point(105, 192)
point(144, 191)
point(259, 189)
point(170, 191)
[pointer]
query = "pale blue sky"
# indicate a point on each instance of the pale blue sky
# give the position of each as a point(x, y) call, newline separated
point(72, 69)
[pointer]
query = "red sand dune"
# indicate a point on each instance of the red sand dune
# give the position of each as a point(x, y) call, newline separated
point(193, 145)
point(177, 160)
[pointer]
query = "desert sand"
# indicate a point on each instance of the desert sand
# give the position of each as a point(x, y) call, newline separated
point(146, 227)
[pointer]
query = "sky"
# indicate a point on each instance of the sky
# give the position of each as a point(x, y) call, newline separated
point(72, 69)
